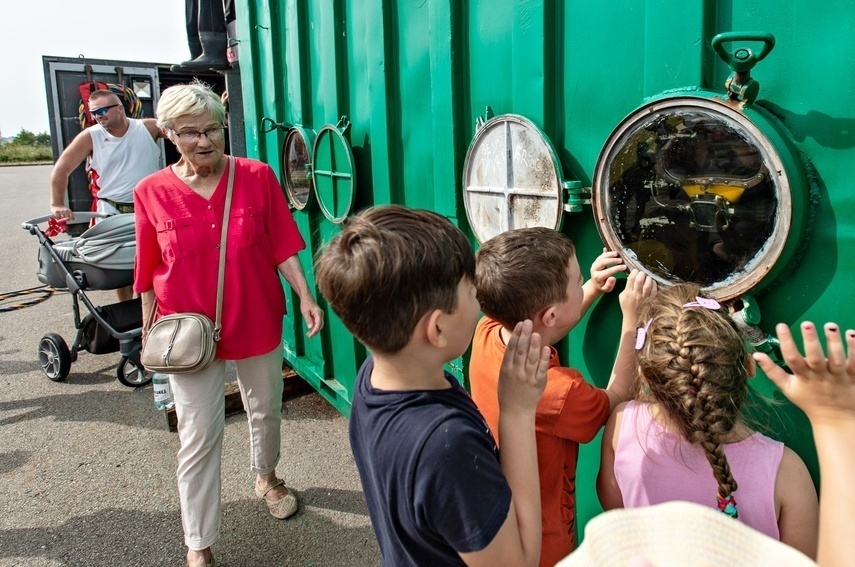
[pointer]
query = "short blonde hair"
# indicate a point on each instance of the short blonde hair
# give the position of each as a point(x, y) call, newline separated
point(103, 93)
point(189, 99)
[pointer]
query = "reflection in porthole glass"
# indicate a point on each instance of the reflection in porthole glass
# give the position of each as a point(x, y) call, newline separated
point(298, 184)
point(690, 194)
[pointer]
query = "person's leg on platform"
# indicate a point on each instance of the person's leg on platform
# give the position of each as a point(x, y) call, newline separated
point(212, 37)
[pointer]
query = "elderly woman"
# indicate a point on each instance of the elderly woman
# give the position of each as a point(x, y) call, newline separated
point(179, 212)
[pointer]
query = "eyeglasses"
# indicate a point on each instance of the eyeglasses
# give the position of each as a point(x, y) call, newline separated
point(102, 111)
point(190, 136)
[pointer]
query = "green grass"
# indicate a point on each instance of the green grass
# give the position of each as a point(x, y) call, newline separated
point(25, 154)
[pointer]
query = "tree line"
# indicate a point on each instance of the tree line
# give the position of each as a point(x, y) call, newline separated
point(27, 147)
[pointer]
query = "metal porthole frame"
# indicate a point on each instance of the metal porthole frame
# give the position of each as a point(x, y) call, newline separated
point(770, 253)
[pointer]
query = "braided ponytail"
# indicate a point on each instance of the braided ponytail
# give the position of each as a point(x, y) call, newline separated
point(691, 363)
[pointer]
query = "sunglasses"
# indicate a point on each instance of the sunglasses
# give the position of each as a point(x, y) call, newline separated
point(102, 111)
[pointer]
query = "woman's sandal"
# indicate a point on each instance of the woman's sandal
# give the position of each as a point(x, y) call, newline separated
point(284, 507)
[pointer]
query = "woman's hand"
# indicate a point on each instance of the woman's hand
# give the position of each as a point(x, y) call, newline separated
point(292, 271)
point(313, 314)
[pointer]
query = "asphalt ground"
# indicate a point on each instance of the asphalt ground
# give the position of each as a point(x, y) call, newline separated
point(87, 466)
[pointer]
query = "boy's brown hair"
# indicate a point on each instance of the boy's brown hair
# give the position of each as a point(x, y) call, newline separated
point(388, 267)
point(519, 272)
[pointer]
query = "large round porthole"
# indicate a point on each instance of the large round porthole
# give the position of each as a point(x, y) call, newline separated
point(296, 166)
point(690, 190)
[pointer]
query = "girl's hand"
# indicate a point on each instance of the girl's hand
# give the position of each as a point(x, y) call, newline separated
point(824, 388)
point(522, 377)
point(638, 286)
point(604, 269)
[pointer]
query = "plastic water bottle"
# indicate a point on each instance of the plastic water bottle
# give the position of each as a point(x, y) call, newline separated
point(162, 391)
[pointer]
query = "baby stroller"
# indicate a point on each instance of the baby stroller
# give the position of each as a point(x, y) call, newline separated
point(102, 258)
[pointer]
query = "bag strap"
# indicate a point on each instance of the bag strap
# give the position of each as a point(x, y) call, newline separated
point(221, 271)
point(222, 268)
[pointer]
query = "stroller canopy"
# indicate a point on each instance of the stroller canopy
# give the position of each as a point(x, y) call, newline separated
point(110, 244)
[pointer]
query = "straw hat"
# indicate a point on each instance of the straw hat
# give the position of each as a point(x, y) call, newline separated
point(680, 534)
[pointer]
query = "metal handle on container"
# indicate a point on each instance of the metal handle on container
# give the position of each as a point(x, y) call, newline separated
point(743, 59)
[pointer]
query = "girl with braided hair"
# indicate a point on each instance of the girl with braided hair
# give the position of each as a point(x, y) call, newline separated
point(684, 421)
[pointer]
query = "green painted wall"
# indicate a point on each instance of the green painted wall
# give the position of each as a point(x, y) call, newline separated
point(413, 76)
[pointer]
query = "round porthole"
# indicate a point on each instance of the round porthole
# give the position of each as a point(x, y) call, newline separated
point(334, 171)
point(512, 178)
point(691, 190)
point(296, 166)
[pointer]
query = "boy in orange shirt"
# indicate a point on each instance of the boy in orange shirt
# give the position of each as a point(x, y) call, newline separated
point(533, 273)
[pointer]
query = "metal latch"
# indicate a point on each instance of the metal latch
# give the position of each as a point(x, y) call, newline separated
point(269, 125)
point(575, 196)
point(748, 320)
point(481, 120)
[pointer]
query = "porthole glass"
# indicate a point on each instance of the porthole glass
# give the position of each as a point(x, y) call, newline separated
point(692, 192)
point(296, 162)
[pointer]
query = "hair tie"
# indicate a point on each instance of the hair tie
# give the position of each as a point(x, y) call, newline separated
point(641, 335)
point(727, 505)
point(704, 302)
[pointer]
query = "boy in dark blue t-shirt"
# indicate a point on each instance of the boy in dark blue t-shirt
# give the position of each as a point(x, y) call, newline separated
point(437, 492)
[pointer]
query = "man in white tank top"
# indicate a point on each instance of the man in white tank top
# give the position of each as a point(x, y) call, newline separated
point(120, 152)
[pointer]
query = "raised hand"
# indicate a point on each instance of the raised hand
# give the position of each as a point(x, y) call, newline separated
point(603, 270)
point(824, 388)
point(639, 286)
point(522, 377)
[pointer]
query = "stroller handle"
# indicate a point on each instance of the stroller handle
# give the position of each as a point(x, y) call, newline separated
point(78, 218)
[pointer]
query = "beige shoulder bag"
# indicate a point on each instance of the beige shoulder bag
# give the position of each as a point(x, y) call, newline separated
point(187, 342)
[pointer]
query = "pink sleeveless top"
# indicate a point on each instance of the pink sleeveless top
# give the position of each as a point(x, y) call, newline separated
point(654, 465)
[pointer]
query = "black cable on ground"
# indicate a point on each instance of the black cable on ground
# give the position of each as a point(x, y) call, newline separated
point(43, 292)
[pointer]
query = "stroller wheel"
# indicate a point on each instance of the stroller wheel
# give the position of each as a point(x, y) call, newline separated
point(54, 357)
point(131, 375)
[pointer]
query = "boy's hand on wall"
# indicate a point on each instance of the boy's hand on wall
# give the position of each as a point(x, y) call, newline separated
point(522, 377)
point(604, 269)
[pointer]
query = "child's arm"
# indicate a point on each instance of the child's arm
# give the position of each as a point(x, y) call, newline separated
point(522, 380)
point(602, 279)
point(799, 509)
point(638, 286)
point(824, 388)
point(607, 486)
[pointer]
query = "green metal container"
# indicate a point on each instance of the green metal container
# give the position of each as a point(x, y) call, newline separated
point(431, 104)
